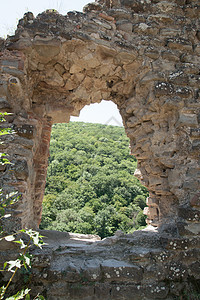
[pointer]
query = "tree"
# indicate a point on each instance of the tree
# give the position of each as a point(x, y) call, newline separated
point(140, 201)
point(140, 220)
point(91, 172)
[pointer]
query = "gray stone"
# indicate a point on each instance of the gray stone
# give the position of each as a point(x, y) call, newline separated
point(188, 119)
point(4, 104)
point(124, 25)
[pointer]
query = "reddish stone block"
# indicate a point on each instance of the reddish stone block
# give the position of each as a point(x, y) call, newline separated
point(21, 65)
point(195, 201)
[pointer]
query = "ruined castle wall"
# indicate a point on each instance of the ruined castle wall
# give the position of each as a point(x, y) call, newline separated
point(142, 55)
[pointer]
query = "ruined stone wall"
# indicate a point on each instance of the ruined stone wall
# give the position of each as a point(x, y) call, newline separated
point(145, 57)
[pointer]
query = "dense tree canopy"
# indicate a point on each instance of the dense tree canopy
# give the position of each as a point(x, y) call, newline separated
point(90, 185)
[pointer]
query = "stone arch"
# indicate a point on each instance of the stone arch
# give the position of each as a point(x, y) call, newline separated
point(145, 56)
point(54, 65)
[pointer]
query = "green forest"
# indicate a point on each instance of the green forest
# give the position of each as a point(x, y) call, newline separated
point(90, 186)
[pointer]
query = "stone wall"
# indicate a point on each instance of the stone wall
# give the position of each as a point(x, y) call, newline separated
point(144, 55)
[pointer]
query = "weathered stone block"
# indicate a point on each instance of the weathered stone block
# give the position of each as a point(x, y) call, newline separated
point(20, 169)
point(152, 53)
point(13, 72)
point(116, 271)
point(164, 88)
point(189, 214)
point(195, 200)
point(124, 25)
point(120, 14)
point(183, 92)
point(188, 119)
point(179, 44)
point(169, 55)
point(194, 268)
point(24, 43)
point(4, 104)
point(174, 178)
point(145, 29)
point(91, 272)
point(47, 48)
point(9, 63)
point(137, 6)
point(161, 18)
point(196, 145)
point(155, 180)
point(157, 291)
point(119, 292)
point(24, 130)
point(3, 87)
point(81, 291)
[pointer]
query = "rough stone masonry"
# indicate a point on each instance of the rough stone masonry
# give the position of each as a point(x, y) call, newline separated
point(144, 55)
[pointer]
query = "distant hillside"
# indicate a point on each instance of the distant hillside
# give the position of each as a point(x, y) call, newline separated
point(90, 184)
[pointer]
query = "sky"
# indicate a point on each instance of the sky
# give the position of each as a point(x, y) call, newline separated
point(12, 10)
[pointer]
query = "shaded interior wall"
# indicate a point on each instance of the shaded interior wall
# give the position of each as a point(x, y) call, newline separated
point(144, 56)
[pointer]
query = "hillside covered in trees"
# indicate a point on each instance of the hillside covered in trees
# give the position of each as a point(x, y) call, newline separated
point(90, 185)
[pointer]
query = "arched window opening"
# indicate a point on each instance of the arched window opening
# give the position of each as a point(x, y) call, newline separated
point(105, 112)
point(91, 187)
